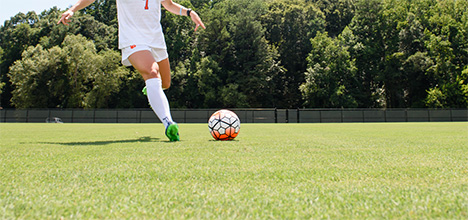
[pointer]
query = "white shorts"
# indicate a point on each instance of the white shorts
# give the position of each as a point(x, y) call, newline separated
point(158, 53)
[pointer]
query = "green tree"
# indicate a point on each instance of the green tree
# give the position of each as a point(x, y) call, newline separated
point(376, 51)
point(106, 80)
point(418, 82)
point(23, 31)
point(234, 45)
point(104, 11)
point(38, 78)
point(15, 36)
point(2, 84)
point(197, 78)
point(447, 45)
point(330, 79)
point(209, 82)
point(367, 50)
point(70, 76)
point(338, 14)
point(391, 78)
point(414, 63)
point(289, 26)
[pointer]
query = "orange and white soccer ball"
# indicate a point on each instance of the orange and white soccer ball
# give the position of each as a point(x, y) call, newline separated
point(224, 125)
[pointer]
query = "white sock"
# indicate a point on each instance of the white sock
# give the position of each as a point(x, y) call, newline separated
point(158, 100)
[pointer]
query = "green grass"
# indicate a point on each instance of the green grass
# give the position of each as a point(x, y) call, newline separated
point(270, 171)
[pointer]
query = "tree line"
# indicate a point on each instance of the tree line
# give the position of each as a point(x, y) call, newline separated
point(254, 53)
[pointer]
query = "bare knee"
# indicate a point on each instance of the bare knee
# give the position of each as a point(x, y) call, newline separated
point(149, 73)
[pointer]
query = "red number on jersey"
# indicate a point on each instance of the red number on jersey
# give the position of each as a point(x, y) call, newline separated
point(146, 7)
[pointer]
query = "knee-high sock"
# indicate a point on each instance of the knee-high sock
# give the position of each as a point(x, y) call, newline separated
point(158, 100)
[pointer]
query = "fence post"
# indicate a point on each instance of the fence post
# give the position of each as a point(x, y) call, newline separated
point(276, 115)
point(320, 116)
point(139, 116)
point(298, 115)
point(363, 116)
point(385, 115)
point(342, 120)
point(429, 115)
point(406, 115)
point(451, 116)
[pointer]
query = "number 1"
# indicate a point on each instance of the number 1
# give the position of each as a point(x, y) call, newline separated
point(146, 7)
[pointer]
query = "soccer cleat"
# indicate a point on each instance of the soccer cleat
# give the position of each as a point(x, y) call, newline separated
point(172, 132)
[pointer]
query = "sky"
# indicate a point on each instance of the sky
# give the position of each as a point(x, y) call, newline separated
point(9, 8)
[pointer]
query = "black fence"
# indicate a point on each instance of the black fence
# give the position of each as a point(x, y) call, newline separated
point(245, 115)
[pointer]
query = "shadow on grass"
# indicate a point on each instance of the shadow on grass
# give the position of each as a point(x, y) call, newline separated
point(226, 141)
point(106, 142)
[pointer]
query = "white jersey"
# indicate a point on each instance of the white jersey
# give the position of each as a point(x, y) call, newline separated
point(139, 23)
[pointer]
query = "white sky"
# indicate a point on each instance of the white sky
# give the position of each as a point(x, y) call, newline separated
point(9, 8)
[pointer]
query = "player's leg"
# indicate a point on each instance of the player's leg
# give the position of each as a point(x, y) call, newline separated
point(144, 62)
point(172, 130)
point(165, 71)
point(149, 69)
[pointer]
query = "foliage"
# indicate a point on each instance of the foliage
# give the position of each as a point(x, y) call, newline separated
point(70, 76)
point(40, 32)
point(402, 51)
point(338, 14)
point(330, 74)
point(289, 27)
point(260, 53)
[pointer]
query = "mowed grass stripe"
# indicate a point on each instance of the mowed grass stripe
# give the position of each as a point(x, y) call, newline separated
point(352, 171)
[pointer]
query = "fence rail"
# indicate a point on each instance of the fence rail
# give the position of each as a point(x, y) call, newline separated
point(245, 115)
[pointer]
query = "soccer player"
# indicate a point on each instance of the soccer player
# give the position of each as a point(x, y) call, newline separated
point(143, 46)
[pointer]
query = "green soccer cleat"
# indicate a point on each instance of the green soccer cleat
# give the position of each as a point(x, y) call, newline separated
point(172, 132)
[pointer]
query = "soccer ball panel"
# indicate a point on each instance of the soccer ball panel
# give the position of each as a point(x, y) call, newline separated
point(230, 131)
point(215, 134)
point(217, 126)
point(222, 130)
point(223, 137)
point(224, 124)
point(234, 135)
point(236, 124)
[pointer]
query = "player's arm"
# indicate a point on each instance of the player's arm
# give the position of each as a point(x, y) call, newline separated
point(69, 13)
point(181, 10)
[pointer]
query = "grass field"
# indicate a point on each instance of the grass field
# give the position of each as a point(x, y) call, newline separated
point(271, 171)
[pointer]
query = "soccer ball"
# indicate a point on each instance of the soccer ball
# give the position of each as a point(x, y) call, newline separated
point(224, 125)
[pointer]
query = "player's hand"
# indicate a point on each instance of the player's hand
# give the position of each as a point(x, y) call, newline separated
point(65, 19)
point(196, 19)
